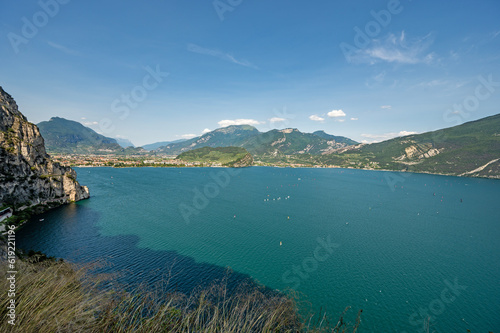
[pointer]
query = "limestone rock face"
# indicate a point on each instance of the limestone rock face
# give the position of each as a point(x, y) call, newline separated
point(244, 162)
point(28, 176)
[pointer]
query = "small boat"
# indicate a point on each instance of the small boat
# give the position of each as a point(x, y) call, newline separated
point(41, 220)
point(281, 243)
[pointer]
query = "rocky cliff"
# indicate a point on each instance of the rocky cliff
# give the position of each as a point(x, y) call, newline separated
point(28, 176)
point(243, 162)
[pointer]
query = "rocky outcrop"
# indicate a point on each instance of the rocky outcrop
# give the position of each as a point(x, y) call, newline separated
point(417, 152)
point(28, 176)
point(245, 161)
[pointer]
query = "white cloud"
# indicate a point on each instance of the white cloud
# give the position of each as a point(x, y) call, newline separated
point(340, 120)
point(219, 54)
point(380, 76)
point(336, 113)
point(227, 122)
point(90, 123)
point(398, 49)
point(386, 107)
point(206, 130)
point(376, 79)
point(63, 48)
point(434, 83)
point(446, 85)
point(354, 118)
point(188, 136)
point(277, 120)
point(385, 136)
point(316, 118)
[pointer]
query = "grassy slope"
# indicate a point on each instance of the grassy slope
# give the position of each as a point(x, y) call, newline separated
point(294, 142)
point(462, 148)
point(55, 296)
point(222, 155)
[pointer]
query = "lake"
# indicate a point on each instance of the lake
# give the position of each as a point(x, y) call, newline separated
point(400, 246)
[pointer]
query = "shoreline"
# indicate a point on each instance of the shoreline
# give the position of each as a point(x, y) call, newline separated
point(291, 167)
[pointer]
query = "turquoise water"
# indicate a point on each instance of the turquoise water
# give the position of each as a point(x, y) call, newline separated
point(395, 245)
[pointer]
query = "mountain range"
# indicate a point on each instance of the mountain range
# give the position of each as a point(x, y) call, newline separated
point(156, 145)
point(67, 136)
point(63, 136)
point(274, 142)
point(470, 149)
point(124, 143)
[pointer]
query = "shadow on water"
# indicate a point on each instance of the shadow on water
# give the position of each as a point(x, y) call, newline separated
point(71, 233)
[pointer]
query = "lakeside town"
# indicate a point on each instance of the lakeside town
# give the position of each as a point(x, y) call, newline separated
point(116, 161)
point(120, 161)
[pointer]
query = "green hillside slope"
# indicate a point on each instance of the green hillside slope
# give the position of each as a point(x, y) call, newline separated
point(458, 150)
point(224, 156)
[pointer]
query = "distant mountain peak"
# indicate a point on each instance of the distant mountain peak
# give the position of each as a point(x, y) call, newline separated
point(234, 128)
point(68, 136)
point(289, 130)
point(339, 139)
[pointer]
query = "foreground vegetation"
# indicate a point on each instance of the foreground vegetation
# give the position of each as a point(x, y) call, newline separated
point(55, 296)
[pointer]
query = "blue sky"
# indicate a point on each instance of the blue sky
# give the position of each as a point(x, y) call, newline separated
point(163, 70)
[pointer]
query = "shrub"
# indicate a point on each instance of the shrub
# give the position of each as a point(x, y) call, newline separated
point(56, 296)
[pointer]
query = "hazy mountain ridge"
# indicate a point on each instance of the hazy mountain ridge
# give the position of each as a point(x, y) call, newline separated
point(124, 143)
point(156, 145)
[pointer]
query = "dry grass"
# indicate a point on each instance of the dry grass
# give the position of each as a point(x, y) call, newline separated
point(60, 297)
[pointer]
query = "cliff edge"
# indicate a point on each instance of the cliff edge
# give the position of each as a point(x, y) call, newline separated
point(28, 176)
